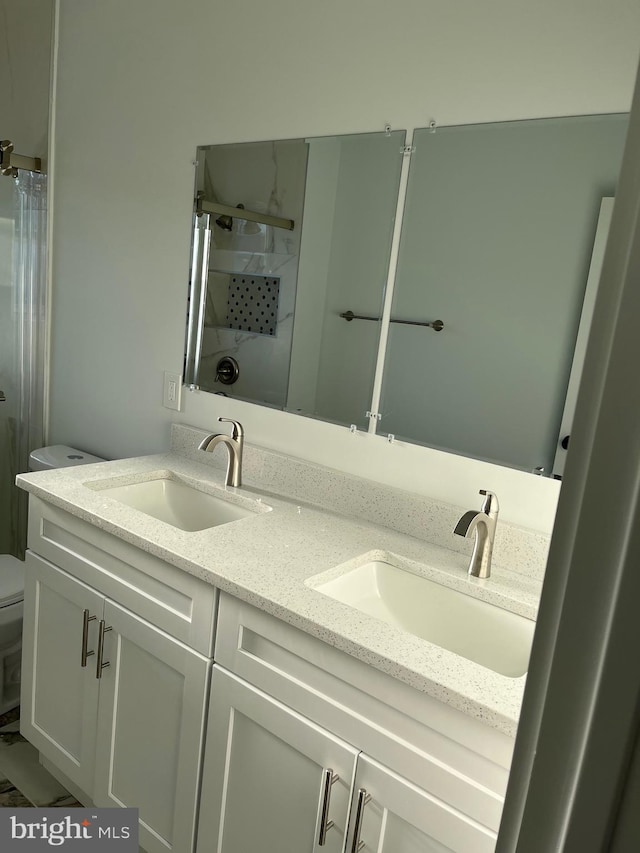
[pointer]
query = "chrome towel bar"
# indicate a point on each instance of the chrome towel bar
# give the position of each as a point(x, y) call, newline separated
point(436, 325)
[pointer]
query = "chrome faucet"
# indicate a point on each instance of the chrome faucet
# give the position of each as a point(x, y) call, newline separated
point(234, 444)
point(483, 524)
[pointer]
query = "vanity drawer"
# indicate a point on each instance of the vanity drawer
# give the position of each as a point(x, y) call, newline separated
point(173, 600)
point(455, 757)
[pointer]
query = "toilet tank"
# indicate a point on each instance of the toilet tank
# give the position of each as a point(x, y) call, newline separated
point(59, 456)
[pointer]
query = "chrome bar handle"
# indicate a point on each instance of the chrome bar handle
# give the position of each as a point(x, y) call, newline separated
point(102, 630)
point(363, 799)
point(85, 636)
point(329, 778)
point(436, 325)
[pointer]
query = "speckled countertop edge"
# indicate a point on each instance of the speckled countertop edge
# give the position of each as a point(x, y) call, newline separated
point(266, 559)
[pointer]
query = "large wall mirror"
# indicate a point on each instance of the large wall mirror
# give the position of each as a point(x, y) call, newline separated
point(267, 292)
point(497, 241)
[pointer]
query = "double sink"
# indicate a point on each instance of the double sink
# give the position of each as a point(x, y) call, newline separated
point(374, 584)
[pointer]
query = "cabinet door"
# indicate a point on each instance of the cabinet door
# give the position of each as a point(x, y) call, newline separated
point(59, 699)
point(153, 692)
point(267, 777)
point(391, 815)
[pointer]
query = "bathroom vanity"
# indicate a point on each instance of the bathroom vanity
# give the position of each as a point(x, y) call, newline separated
point(212, 678)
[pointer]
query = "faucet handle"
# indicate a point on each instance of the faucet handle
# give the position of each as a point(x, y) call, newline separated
point(490, 504)
point(237, 431)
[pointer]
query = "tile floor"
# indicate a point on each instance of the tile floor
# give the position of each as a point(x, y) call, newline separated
point(24, 782)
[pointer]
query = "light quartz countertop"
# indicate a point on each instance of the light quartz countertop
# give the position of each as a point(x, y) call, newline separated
point(266, 559)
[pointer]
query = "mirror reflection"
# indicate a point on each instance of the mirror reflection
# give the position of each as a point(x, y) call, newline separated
point(502, 236)
point(336, 199)
point(497, 241)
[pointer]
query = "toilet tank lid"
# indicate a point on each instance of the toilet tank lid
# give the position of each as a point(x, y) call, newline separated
point(59, 456)
point(11, 580)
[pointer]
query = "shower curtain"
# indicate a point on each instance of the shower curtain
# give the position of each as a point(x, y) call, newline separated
point(22, 415)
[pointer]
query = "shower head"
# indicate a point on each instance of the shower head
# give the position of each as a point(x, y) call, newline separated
point(226, 222)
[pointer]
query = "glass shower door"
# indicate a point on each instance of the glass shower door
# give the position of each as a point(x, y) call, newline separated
point(8, 367)
point(22, 324)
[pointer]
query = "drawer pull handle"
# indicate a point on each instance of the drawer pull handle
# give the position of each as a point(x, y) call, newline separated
point(85, 636)
point(102, 630)
point(363, 799)
point(329, 778)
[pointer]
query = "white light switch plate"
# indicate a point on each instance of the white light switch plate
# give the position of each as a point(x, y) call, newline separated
point(172, 390)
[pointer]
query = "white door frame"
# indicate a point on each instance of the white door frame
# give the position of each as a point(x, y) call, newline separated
point(579, 719)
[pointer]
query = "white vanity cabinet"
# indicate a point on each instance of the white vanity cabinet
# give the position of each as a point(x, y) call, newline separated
point(391, 815)
point(114, 702)
point(275, 781)
point(59, 697)
point(289, 713)
point(285, 745)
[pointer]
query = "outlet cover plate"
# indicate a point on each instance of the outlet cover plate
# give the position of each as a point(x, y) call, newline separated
point(172, 390)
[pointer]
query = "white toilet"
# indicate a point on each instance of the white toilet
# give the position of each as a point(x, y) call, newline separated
point(12, 582)
point(11, 595)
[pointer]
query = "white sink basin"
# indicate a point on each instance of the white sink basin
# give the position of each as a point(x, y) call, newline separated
point(181, 505)
point(476, 630)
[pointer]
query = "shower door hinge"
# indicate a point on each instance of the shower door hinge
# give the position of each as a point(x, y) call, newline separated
point(373, 416)
point(407, 150)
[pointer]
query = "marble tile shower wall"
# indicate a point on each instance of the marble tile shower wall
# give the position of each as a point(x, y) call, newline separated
point(267, 177)
point(516, 548)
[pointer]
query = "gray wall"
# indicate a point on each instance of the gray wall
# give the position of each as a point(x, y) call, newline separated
point(25, 64)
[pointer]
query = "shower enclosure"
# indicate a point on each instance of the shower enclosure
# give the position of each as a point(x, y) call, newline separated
point(22, 331)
